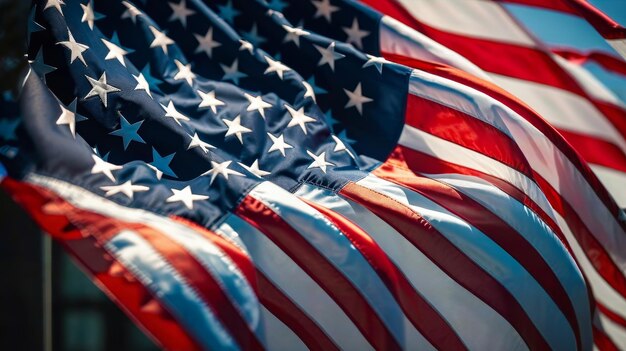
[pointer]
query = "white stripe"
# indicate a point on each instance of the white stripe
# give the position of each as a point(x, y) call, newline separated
point(339, 251)
point(541, 309)
point(614, 181)
point(483, 19)
point(156, 274)
point(429, 144)
point(397, 38)
point(231, 235)
point(619, 45)
point(536, 232)
point(223, 269)
point(563, 109)
point(281, 337)
point(285, 274)
point(210, 256)
point(543, 156)
point(615, 331)
point(602, 291)
point(460, 308)
point(592, 86)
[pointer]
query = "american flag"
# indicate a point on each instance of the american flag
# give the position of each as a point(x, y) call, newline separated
point(290, 174)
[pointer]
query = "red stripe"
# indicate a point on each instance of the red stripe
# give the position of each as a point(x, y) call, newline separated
point(607, 61)
point(457, 127)
point(493, 227)
point(449, 258)
point(598, 151)
point(469, 132)
point(200, 280)
point(523, 110)
point(599, 20)
point(419, 162)
point(74, 229)
point(323, 272)
point(531, 64)
point(289, 313)
point(511, 60)
point(601, 261)
point(421, 314)
point(595, 252)
point(616, 318)
point(602, 341)
point(615, 114)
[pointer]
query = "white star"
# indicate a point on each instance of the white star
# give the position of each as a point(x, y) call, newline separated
point(142, 84)
point(356, 99)
point(180, 12)
point(56, 4)
point(68, 117)
point(254, 169)
point(88, 15)
point(375, 61)
point(324, 9)
point(184, 72)
point(257, 103)
point(310, 92)
point(101, 88)
point(196, 142)
point(160, 40)
point(355, 34)
point(298, 118)
point(131, 12)
point(209, 100)
point(340, 146)
point(235, 128)
point(101, 166)
point(221, 169)
point(246, 45)
point(76, 49)
point(278, 144)
point(232, 72)
point(329, 55)
point(275, 66)
point(127, 189)
point(293, 35)
point(115, 52)
point(206, 43)
point(319, 161)
point(186, 197)
point(171, 111)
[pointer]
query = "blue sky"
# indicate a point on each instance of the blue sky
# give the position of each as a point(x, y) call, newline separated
point(561, 29)
point(564, 30)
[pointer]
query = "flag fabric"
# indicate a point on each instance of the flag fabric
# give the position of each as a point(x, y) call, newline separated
point(235, 179)
point(540, 81)
point(575, 222)
point(583, 113)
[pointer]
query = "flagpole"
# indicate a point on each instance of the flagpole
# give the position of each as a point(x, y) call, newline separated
point(47, 291)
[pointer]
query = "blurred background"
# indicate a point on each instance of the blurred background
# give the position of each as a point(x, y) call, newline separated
point(33, 270)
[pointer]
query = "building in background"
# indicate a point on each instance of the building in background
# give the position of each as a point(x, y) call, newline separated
point(83, 318)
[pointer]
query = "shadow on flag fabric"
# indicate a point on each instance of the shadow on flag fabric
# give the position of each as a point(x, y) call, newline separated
point(236, 181)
